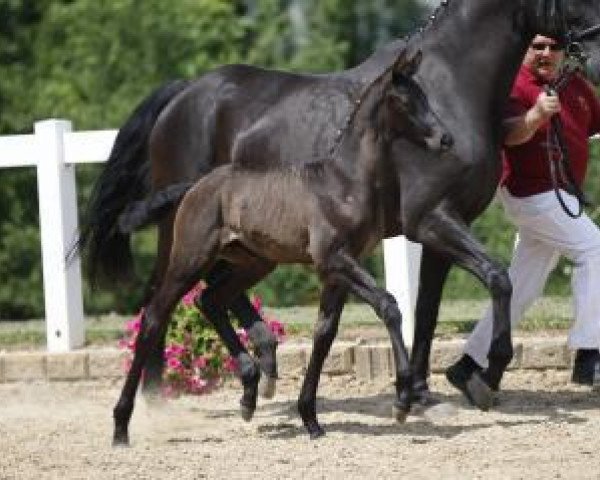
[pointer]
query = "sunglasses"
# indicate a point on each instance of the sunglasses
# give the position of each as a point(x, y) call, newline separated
point(541, 46)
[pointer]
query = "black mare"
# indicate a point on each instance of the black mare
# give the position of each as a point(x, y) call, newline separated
point(327, 213)
point(472, 50)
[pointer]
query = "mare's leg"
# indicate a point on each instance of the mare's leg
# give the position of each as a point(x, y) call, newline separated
point(330, 309)
point(450, 236)
point(433, 274)
point(214, 302)
point(343, 269)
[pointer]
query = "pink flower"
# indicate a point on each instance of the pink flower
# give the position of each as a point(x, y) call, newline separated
point(230, 364)
point(277, 328)
point(243, 336)
point(127, 364)
point(174, 363)
point(200, 362)
point(134, 326)
point(174, 350)
point(196, 384)
point(189, 298)
point(257, 303)
point(197, 361)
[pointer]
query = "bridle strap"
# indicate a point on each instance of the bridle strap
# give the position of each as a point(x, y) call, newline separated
point(584, 34)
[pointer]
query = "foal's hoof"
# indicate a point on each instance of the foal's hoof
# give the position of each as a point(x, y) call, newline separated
point(267, 386)
point(400, 412)
point(315, 431)
point(479, 392)
point(120, 440)
point(247, 412)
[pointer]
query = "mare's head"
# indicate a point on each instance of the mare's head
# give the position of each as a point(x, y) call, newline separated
point(407, 109)
point(579, 22)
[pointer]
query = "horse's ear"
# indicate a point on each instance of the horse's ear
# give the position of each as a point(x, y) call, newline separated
point(408, 65)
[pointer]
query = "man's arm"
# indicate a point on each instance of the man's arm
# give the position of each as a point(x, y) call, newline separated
point(520, 129)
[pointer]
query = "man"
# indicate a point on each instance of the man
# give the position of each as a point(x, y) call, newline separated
point(545, 231)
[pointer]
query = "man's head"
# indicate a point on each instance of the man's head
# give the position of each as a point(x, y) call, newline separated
point(544, 57)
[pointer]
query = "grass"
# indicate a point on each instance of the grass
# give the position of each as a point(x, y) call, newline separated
point(456, 317)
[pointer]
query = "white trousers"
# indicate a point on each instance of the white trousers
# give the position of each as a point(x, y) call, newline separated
point(545, 232)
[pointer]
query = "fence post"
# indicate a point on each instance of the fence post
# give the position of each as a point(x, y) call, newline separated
point(402, 262)
point(58, 227)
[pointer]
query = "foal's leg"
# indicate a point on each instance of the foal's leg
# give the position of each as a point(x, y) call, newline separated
point(345, 270)
point(153, 329)
point(153, 370)
point(332, 302)
point(449, 236)
point(197, 243)
point(261, 337)
point(214, 301)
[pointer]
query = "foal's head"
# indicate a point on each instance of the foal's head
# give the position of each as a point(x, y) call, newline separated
point(408, 112)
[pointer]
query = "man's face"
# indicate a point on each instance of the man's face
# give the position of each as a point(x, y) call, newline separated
point(544, 57)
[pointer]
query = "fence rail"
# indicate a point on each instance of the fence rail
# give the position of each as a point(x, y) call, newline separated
point(54, 149)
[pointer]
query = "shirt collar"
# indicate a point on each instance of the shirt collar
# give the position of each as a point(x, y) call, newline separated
point(531, 76)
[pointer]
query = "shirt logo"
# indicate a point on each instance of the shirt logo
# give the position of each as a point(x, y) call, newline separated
point(583, 104)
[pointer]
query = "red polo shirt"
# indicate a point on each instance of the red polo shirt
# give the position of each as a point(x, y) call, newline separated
point(526, 170)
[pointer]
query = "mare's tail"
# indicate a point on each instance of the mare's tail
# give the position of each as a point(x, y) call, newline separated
point(143, 212)
point(124, 179)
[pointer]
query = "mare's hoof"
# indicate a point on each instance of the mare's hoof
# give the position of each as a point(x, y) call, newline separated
point(267, 386)
point(400, 412)
point(472, 386)
point(247, 412)
point(479, 392)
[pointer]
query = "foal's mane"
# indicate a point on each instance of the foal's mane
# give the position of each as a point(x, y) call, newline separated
point(357, 104)
point(442, 7)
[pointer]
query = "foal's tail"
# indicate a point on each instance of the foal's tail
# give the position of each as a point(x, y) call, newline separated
point(144, 212)
point(124, 179)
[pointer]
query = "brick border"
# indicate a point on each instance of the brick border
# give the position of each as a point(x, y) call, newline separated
point(369, 361)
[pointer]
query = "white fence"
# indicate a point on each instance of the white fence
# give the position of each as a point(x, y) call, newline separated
point(54, 150)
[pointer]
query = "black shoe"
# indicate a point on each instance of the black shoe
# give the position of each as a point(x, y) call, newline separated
point(459, 374)
point(586, 370)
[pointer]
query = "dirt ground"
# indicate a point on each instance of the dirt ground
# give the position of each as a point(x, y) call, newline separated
point(543, 428)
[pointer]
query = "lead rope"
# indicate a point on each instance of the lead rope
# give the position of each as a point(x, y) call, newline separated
point(561, 166)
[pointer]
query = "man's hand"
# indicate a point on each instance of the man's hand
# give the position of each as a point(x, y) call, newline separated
point(521, 129)
point(546, 106)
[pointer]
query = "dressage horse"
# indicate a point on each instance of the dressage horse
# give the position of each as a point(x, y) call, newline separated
point(327, 213)
point(472, 51)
